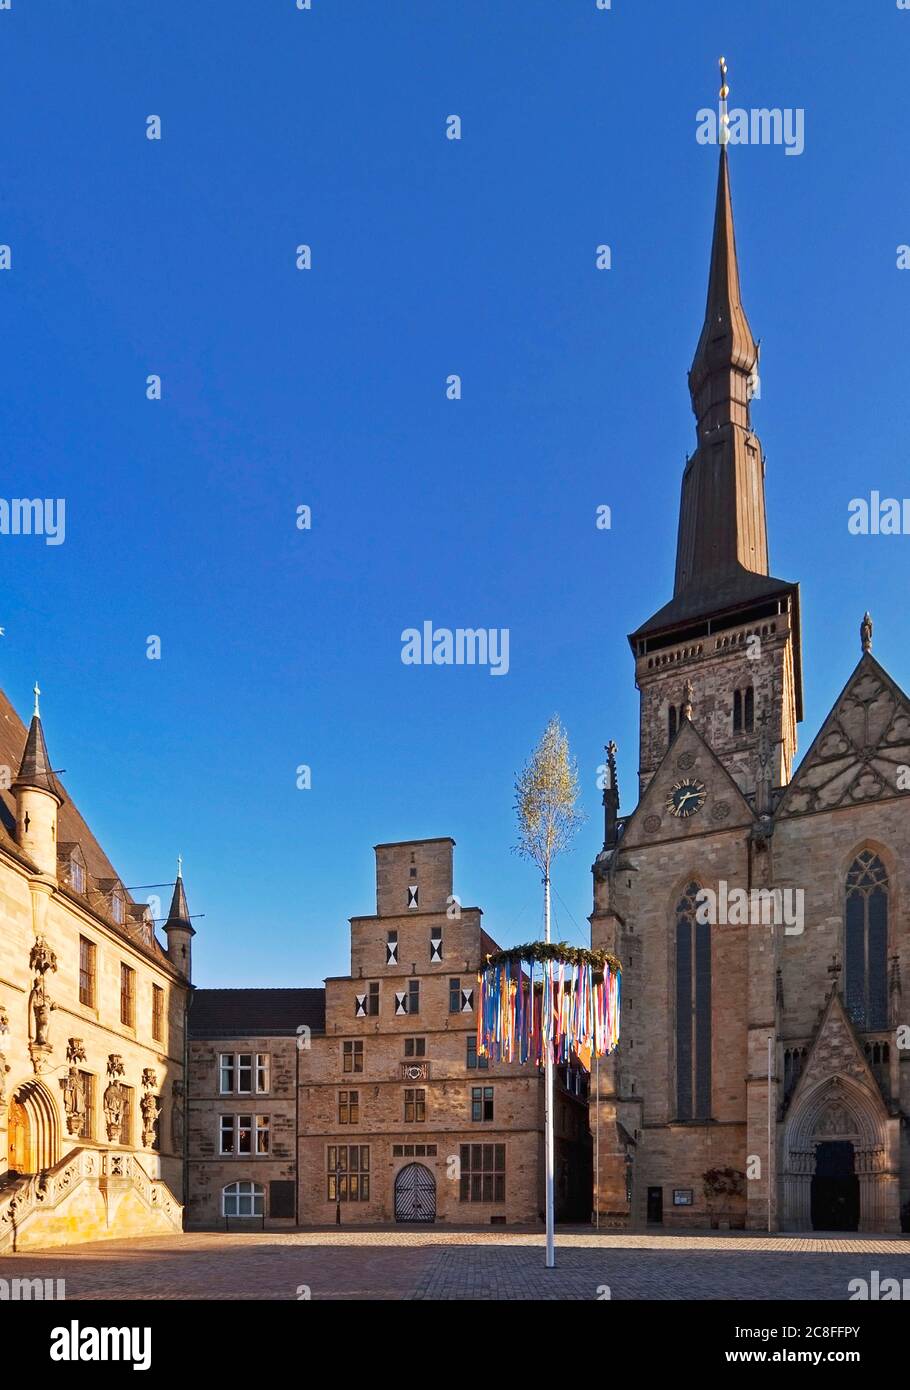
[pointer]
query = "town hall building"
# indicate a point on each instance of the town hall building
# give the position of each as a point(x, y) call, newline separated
point(759, 1080)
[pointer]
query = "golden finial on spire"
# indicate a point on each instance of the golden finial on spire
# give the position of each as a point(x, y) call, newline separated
point(37, 692)
point(724, 133)
point(180, 866)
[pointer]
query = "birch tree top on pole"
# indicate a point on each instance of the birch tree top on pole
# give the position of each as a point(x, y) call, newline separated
point(546, 791)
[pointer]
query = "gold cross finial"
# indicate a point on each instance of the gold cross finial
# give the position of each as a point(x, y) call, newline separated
point(724, 133)
point(37, 692)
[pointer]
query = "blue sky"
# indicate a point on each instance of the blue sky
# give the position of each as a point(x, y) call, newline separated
point(327, 388)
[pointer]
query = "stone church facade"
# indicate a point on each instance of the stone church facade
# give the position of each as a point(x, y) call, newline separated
point(92, 1013)
point(759, 907)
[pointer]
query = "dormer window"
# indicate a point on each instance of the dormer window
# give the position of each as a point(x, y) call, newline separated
point(117, 908)
point(77, 875)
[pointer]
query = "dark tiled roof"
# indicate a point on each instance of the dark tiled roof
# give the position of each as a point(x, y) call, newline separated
point(221, 1013)
point(71, 828)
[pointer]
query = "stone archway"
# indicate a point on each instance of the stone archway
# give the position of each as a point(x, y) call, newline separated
point(838, 1109)
point(34, 1129)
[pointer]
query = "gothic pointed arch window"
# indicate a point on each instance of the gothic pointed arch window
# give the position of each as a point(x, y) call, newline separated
point(693, 1009)
point(866, 942)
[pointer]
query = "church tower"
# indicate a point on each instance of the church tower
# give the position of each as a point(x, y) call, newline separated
point(728, 643)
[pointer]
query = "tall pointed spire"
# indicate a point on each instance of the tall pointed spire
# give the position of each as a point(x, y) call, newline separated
point(724, 593)
point(726, 355)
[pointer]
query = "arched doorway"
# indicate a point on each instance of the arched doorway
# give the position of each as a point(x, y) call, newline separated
point(415, 1194)
point(34, 1129)
point(837, 1172)
point(835, 1187)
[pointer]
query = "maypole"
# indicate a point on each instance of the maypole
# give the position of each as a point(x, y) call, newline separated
point(571, 1011)
point(545, 796)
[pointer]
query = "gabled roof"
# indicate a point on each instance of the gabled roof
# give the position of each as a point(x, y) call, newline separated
point(698, 759)
point(255, 1013)
point(857, 752)
point(835, 1048)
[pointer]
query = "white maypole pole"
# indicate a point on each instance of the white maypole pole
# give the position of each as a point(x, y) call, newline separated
point(550, 1091)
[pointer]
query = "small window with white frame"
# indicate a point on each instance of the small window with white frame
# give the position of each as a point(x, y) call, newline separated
point(237, 1072)
point(243, 1199)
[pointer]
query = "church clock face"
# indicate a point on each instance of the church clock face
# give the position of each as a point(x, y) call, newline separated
point(687, 797)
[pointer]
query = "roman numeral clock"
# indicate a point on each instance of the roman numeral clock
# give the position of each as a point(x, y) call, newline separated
point(687, 798)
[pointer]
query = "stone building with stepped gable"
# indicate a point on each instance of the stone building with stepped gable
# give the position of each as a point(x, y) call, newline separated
point(763, 1074)
point(92, 1012)
point(397, 1117)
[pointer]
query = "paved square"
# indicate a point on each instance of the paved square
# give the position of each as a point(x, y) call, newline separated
point(448, 1264)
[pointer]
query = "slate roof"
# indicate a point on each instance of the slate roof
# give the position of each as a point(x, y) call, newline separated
point(26, 749)
point(223, 1013)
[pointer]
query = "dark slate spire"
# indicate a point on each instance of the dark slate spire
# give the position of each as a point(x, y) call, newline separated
point(35, 768)
point(722, 541)
point(726, 355)
point(179, 914)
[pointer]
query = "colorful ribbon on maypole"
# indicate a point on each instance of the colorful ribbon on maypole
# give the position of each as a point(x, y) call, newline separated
point(544, 996)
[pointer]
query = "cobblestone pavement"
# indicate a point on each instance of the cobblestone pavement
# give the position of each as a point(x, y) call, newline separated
point(437, 1264)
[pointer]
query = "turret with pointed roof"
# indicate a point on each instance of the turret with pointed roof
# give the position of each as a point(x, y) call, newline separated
point(38, 799)
point(178, 927)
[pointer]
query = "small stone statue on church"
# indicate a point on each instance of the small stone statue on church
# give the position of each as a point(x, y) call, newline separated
point(865, 632)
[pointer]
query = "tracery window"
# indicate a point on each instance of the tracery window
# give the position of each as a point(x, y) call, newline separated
point(866, 942)
point(693, 1009)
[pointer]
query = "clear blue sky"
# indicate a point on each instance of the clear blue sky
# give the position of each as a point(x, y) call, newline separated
point(327, 387)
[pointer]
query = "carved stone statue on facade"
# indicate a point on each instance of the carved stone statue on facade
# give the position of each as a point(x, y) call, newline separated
point(150, 1112)
point(73, 1087)
point(41, 960)
point(114, 1099)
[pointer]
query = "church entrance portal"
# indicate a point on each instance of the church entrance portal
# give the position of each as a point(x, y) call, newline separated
point(835, 1188)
